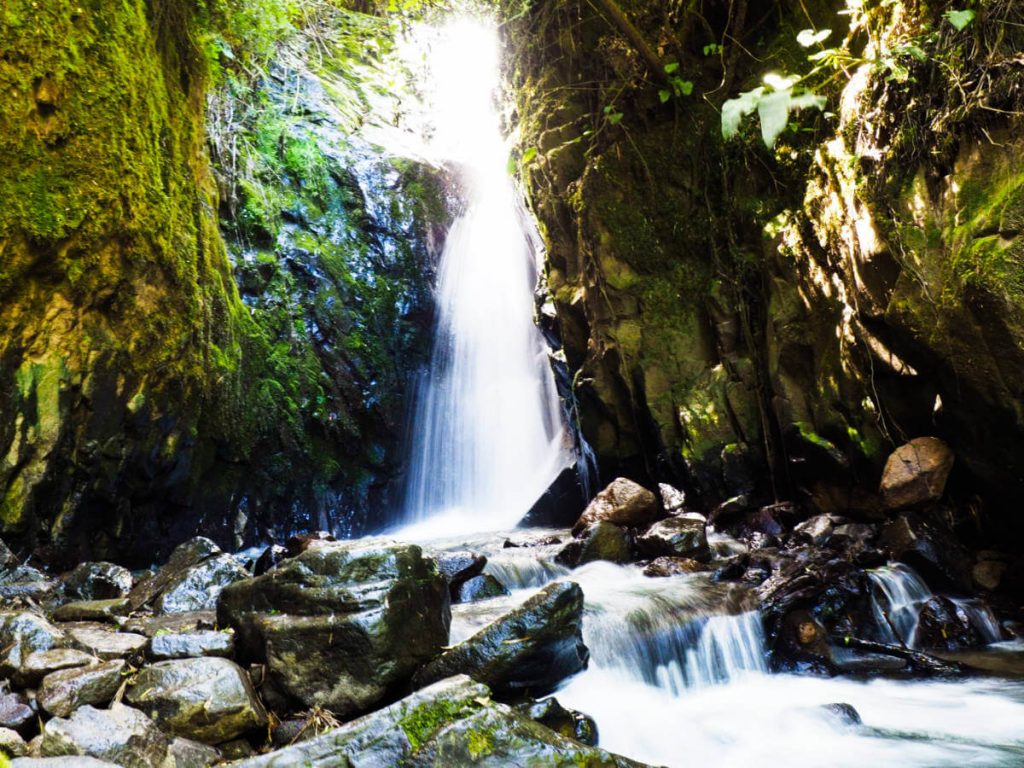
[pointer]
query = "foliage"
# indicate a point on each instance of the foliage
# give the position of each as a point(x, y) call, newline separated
point(773, 102)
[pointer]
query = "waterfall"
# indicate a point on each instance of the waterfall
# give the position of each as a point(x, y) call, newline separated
point(488, 435)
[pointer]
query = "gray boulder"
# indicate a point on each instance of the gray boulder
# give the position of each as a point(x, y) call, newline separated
point(208, 700)
point(183, 645)
point(120, 734)
point(682, 536)
point(104, 642)
point(191, 580)
point(97, 581)
point(41, 663)
point(623, 502)
point(343, 623)
point(22, 633)
point(532, 648)
point(61, 693)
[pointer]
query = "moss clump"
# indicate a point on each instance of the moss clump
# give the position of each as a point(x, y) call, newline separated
point(424, 721)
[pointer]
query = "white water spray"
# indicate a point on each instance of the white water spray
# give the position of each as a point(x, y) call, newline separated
point(488, 436)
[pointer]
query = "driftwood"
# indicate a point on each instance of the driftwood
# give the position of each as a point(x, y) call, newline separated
point(921, 662)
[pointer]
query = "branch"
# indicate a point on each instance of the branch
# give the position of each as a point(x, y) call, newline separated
point(634, 36)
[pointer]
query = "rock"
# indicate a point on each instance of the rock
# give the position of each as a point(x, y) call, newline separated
point(817, 529)
point(191, 644)
point(560, 504)
point(190, 621)
point(8, 560)
point(192, 578)
point(26, 582)
point(97, 581)
point(208, 700)
point(916, 472)
point(728, 511)
point(940, 627)
point(988, 574)
point(41, 663)
point(928, 547)
point(675, 537)
point(567, 722)
point(193, 754)
point(605, 541)
point(294, 729)
point(481, 587)
point(272, 556)
point(61, 762)
point(15, 712)
point(300, 542)
point(23, 633)
point(237, 749)
point(623, 502)
point(65, 691)
point(184, 556)
point(343, 623)
point(120, 734)
point(458, 567)
point(673, 566)
point(11, 743)
point(842, 713)
point(105, 643)
point(94, 610)
point(672, 499)
point(532, 648)
point(450, 723)
point(853, 533)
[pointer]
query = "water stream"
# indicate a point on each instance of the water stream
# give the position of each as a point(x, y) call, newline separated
point(678, 673)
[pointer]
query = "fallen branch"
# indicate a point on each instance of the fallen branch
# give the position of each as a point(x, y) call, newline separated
point(921, 662)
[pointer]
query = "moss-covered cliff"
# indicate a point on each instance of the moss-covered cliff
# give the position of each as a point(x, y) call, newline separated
point(774, 321)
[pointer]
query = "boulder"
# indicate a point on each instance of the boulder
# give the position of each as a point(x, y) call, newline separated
point(120, 734)
point(183, 645)
point(343, 623)
point(916, 472)
point(61, 693)
point(208, 700)
point(623, 502)
point(8, 559)
point(601, 541)
point(681, 536)
point(112, 610)
point(61, 762)
point(271, 557)
point(41, 663)
point(451, 723)
point(567, 722)
point(15, 712)
point(929, 547)
point(818, 529)
point(560, 504)
point(11, 743)
point(300, 542)
point(191, 621)
point(23, 633)
point(673, 566)
point(988, 574)
point(458, 567)
point(672, 499)
point(193, 754)
point(532, 648)
point(481, 587)
point(941, 627)
point(842, 714)
point(104, 642)
point(191, 580)
point(26, 582)
point(97, 581)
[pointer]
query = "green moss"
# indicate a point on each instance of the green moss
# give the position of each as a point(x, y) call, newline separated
point(424, 721)
point(479, 743)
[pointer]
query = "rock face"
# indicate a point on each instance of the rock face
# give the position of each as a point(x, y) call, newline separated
point(532, 648)
point(344, 622)
point(121, 735)
point(916, 472)
point(209, 700)
point(623, 502)
point(452, 722)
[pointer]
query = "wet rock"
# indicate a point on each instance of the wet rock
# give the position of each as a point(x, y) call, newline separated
point(941, 627)
point(729, 511)
point(929, 547)
point(184, 556)
point(209, 700)
point(450, 723)
point(61, 762)
point(567, 722)
point(481, 587)
point(23, 633)
point(680, 536)
point(94, 610)
point(300, 542)
point(601, 541)
point(916, 472)
point(11, 743)
point(673, 566)
point(193, 754)
point(560, 504)
point(107, 644)
point(184, 645)
point(818, 529)
point(842, 713)
point(8, 559)
point(191, 580)
point(623, 502)
point(344, 622)
point(458, 567)
point(672, 499)
point(97, 581)
point(190, 621)
point(15, 712)
point(293, 730)
point(26, 582)
point(237, 749)
point(853, 533)
point(65, 691)
point(41, 663)
point(120, 734)
point(272, 556)
point(532, 648)
point(763, 520)
point(988, 574)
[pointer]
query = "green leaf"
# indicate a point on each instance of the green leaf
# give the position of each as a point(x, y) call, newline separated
point(809, 37)
point(614, 118)
point(960, 19)
point(734, 110)
point(685, 87)
point(773, 111)
point(673, 67)
point(664, 95)
point(529, 154)
point(807, 101)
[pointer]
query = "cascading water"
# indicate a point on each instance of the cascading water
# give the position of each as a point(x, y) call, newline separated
point(488, 436)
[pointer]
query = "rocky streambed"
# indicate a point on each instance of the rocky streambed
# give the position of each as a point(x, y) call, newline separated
point(761, 637)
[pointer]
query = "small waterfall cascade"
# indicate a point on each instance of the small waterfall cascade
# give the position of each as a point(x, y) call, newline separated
point(488, 434)
point(900, 595)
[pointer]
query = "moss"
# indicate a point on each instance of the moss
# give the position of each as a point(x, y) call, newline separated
point(424, 721)
point(479, 743)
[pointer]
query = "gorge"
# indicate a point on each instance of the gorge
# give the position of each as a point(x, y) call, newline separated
point(511, 383)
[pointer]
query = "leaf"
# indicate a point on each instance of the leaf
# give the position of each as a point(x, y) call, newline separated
point(780, 82)
point(615, 118)
point(734, 110)
point(664, 95)
point(685, 87)
point(809, 37)
point(529, 154)
point(773, 111)
point(960, 19)
point(807, 101)
point(673, 67)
